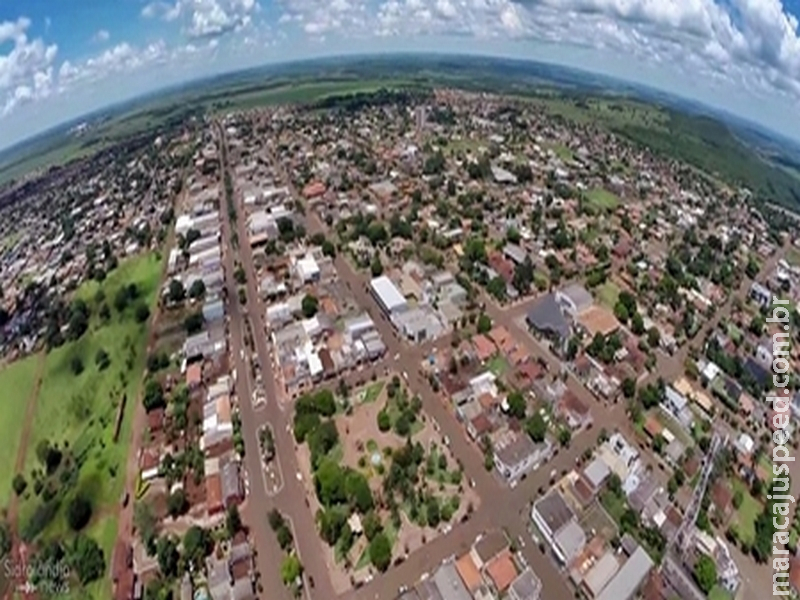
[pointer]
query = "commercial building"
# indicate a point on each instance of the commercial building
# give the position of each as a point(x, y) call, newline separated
point(387, 295)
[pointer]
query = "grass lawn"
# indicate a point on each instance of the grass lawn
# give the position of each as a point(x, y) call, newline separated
point(747, 514)
point(16, 381)
point(498, 365)
point(614, 506)
point(602, 199)
point(608, 293)
point(80, 410)
point(562, 152)
point(372, 392)
point(719, 593)
point(793, 256)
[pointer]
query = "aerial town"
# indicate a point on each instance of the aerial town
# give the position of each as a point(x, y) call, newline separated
point(425, 347)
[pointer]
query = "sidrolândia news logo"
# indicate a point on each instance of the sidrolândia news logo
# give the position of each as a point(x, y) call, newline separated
point(50, 579)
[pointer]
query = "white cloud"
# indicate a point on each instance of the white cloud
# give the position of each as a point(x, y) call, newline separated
point(205, 18)
point(26, 71)
point(102, 35)
point(122, 58)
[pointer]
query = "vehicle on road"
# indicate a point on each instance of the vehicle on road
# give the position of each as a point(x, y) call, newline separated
point(446, 441)
point(311, 582)
point(471, 483)
point(402, 589)
point(299, 476)
point(405, 375)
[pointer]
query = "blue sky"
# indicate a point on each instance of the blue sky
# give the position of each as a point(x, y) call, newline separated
point(60, 59)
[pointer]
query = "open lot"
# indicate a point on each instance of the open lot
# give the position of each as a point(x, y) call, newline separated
point(747, 513)
point(17, 381)
point(77, 413)
point(602, 199)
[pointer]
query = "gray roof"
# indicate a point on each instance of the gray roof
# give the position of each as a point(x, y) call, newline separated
point(490, 545)
point(449, 583)
point(554, 511)
point(597, 472)
point(570, 539)
point(546, 316)
point(388, 294)
point(526, 586)
point(517, 451)
point(229, 476)
point(601, 573)
point(628, 579)
point(242, 589)
point(579, 296)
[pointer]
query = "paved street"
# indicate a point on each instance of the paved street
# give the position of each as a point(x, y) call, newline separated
point(501, 507)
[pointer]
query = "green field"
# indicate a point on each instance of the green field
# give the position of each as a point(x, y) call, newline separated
point(747, 514)
point(79, 412)
point(608, 294)
point(17, 381)
point(602, 199)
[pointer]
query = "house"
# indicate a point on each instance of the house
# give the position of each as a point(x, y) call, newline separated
point(527, 586)
point(628, 580)
point(232, 490)
point(550, 514)
point(469, 573)
point(547, 320)
point(516, 454)
point(569, 541)
point(600, 574)
point(574, 299)
point(448, 583)
point(501, 571)
point(574, 411)
point(677, 406)
point(760, 295)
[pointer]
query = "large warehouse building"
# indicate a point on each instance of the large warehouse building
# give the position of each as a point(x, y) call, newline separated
point(387, 296)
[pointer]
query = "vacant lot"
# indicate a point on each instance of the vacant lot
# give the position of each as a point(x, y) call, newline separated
point(747, 514)
point(602, 199)
point(17, 382)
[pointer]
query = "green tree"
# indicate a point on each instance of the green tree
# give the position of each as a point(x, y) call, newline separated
point(484, 323)
point(176, 292)
point(384, 421)
point(309, 305)
point(197, 544)
point(291, 569)
point(380, 552)
point(516, 405)
point(233, 520)
point(79, 512)
point(177, 503)
point(376, 266)
point(168, 556)
point(629, 387)
point(87, 559)
point(536, 427)
point(197, 290)
point(372, 525)
point(705, 573)
point(141, 313)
